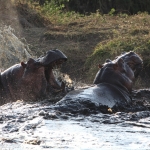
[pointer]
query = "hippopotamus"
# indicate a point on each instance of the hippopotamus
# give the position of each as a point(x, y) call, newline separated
point(113, 87)
point(31, 80)
point(133, 60)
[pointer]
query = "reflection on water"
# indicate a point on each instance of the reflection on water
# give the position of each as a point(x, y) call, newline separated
point(23, 127)
point(84, 135)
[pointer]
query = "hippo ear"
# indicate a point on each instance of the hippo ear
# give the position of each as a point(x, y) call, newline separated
point(131, 53)
point(23, 64)
point(100, 66)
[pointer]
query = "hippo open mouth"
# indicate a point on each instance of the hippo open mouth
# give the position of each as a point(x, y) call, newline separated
point(52, 83)
point(133, 60)
point(52, 60)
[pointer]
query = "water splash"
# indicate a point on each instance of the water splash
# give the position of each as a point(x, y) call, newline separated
point(70, 84)
point(12, 50)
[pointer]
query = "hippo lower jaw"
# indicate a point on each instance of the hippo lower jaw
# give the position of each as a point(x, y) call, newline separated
point(52, 84)
point(136, 69)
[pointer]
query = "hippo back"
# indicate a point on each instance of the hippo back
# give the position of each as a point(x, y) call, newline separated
point(101, 94)
point(9, 80)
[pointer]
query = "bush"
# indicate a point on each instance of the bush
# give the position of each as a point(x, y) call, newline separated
point(104, 6)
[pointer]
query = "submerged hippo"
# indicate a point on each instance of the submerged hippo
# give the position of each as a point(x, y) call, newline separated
point(113, 86)
point(30, 80)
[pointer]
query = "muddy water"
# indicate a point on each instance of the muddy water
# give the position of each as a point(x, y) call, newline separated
point(37, 126)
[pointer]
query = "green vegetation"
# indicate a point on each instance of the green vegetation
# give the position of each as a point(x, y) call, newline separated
point(115, 47)
point(103, 6)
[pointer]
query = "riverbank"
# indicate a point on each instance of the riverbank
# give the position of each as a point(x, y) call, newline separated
point(87, 40)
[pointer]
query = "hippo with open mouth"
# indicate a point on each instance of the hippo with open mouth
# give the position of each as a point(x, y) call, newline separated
point(31, 80)
point(133, 60)
point(113, 87)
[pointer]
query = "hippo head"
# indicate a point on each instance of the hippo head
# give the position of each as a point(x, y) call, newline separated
point(133, 60)
point(38, 75)
point(117, 73)
point(52, 59)
point(33, 83)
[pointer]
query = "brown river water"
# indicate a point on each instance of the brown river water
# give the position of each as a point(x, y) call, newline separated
point(35, 126)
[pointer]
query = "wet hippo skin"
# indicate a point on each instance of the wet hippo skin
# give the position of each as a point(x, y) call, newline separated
point(113, 87)
point(101, 94)
point(31, 80)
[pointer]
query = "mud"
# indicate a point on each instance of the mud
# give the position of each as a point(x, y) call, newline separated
point(38, 126)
